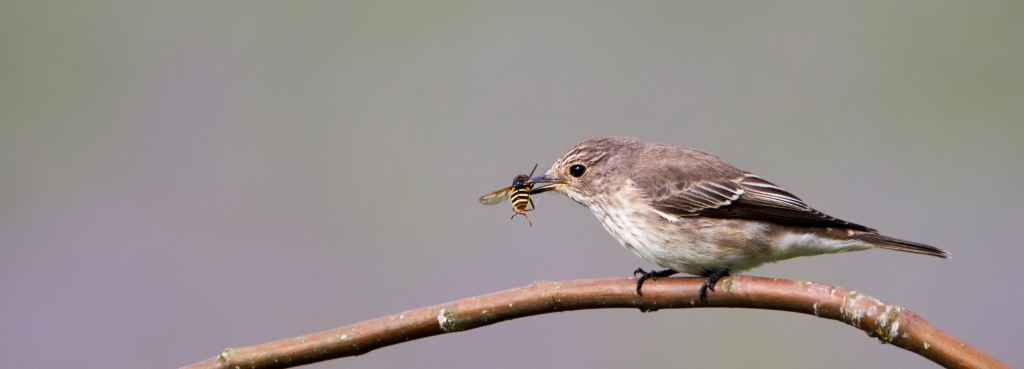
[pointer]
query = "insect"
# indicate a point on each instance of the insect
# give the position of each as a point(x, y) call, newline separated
point(519, 193)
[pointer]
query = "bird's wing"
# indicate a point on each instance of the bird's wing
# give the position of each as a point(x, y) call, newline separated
point(746, 196)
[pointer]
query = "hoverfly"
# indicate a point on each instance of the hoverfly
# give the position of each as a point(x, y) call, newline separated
point(519, 193)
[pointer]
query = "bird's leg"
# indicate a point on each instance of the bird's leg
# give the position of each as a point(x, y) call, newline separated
point(645, 275)
point(712, 277)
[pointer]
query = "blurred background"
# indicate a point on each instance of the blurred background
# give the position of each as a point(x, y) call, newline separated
point(180, 177)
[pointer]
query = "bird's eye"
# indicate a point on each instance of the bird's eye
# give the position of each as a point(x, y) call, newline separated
point(577, 170)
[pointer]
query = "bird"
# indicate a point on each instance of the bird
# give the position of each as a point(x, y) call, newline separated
point(688, 211)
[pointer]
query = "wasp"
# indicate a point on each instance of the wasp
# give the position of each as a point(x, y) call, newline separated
point(519, 193)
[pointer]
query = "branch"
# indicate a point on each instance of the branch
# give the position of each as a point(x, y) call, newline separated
point(889, 323)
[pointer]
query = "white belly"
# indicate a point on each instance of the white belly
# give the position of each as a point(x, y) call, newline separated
point(698, 245)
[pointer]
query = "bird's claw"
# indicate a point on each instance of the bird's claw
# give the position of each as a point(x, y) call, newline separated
point(711, 278)
point(643, 275)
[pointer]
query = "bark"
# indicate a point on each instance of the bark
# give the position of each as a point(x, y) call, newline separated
point(888, 323)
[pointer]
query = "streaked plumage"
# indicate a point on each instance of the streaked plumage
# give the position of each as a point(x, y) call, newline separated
point(689, 211)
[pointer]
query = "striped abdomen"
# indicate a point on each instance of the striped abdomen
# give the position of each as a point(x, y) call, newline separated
point(520, 198)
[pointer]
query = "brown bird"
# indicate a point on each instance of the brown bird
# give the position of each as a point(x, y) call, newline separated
point(689, 211)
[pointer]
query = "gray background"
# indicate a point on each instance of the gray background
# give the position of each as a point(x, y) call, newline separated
point(178, 177)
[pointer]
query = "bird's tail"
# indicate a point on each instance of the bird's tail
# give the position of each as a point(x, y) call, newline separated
point(890, 243)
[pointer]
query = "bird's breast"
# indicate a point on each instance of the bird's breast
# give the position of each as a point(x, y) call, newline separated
point(686, 244)
point(638, 228)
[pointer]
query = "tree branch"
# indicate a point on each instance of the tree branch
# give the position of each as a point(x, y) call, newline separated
point(889, 323)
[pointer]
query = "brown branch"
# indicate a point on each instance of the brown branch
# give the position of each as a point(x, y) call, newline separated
point(889, 323)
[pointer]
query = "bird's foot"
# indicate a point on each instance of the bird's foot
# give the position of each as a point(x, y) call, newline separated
point(644, 275)
point(711, 277)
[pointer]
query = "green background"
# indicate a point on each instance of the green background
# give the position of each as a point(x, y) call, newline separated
point(177, 177)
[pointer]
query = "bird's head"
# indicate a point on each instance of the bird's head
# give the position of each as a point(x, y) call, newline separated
point(591, 168)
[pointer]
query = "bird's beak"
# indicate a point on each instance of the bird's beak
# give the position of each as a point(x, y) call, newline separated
point(546, 182)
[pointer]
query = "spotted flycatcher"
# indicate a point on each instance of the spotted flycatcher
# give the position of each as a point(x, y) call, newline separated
point(689, 211)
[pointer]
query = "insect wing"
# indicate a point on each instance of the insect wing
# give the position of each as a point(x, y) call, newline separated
point(495, 197)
